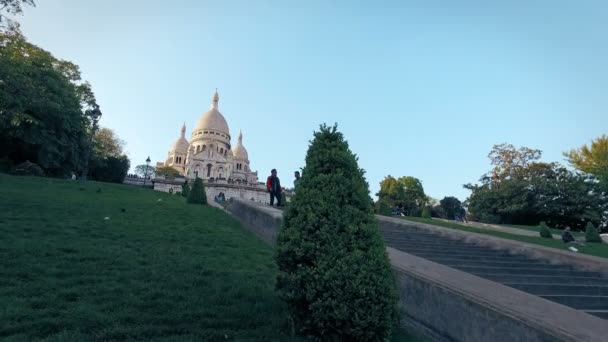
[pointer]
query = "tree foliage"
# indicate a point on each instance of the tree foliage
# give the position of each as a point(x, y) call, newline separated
point(197, 193)
point(12, 7)
point(110, 169)
point(405, 193)
point(593, 160)
point(450, 207)
point(47, 114)
point(107, 162)
point(144, 170)
point(167, 171)
point(107, 144)
point(533, 191)
point(334, 273)
point(509, 161)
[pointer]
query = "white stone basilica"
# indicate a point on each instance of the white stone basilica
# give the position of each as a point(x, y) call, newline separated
point(209, 154)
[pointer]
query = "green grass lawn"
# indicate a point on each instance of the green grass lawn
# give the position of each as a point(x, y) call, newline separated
point(596, 249)
point(160, 270)
point(537, 229)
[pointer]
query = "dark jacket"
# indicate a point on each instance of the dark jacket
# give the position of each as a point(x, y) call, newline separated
point(567, 237)
point(273, 184)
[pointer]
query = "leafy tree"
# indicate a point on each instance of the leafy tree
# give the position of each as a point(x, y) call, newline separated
point(545, 232)
point(43, 113)
point(334, 272)
point(592, 234)
point(12, 7)
point(167, 171)
point(111, 169)
point(197, 193)
point(144, 170)
point(108, 163)
point(451, 207)
point(593, 160)
point(539, 192)
point(405, 193)
point(107, 143)
point(509, 161)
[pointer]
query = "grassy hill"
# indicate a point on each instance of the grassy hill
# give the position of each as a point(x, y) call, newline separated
point(155, 269)
point(152, 270)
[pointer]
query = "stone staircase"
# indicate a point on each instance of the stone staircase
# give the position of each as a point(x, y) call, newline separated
point(581, 290)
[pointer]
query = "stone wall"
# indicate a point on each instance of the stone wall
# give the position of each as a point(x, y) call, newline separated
point(446, 304)
point(253, 193)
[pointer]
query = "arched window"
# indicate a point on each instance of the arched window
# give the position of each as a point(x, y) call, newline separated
point(204, 147)
point(198, 148)
point(209, 170)
point(221, 150)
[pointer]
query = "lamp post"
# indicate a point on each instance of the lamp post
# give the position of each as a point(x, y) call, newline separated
point(146, 173)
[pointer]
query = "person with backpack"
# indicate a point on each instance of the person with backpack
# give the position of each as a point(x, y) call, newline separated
point(273, 185)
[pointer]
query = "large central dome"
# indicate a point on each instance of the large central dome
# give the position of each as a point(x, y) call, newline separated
point(212, 120)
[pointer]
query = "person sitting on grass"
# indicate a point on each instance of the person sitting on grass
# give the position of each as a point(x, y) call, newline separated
point(567, 236)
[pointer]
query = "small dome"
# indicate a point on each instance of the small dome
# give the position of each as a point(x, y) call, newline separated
point(239, 151)
point(181, 144)
point(213, 119)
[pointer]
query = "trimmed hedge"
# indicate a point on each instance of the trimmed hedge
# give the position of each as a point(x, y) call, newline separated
point(592, 234)
point(545, 232)
point(197, 193)
point(334, 273)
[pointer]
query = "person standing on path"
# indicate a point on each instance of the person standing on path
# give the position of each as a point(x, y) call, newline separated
point(297, 180)
point(273, 185)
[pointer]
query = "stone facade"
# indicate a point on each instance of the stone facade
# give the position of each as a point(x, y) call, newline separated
point(210, 155)
point(256, 193)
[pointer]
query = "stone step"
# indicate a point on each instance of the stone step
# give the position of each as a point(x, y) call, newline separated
point(561, 289)
point(545, 271)
point(461, 258)
point(447, 251)
point(528, 264)
point(542, 279)
point(599, 313)
point(432, 244)
point(580, 302)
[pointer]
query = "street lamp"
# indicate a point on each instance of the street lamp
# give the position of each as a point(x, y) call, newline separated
point(146, 173)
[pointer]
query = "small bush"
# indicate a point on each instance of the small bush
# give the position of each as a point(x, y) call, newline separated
point(197, 193)
point(545, 232)
point(592, 234)
point(334, 273)
point(426, 212)
point(186, 189)
point(28, 169)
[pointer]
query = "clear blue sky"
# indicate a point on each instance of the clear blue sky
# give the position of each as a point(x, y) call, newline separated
point(419, 88)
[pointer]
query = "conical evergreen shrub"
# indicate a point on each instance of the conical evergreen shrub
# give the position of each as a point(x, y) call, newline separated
point(592, 234)
point(545, 232)
point(426, 212)
point(186, 189)
point(334, 273)
point(197, 193)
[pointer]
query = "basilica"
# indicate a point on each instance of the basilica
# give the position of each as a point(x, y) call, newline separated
point(210, 154)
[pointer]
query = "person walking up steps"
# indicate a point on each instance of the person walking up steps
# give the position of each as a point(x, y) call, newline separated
point(273, 185)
